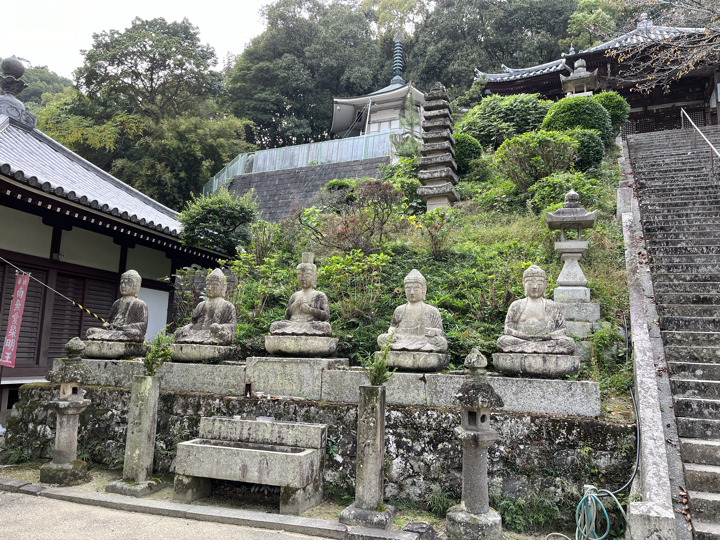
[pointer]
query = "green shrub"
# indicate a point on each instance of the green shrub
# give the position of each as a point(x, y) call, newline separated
point(579, 112)
point(618, 108)
point(591, 150)
point(467, 148)
point(551, 190)
point(481, 170)
point(498, 118)
point(338, 184)
point(527, 158)
point(159, 353)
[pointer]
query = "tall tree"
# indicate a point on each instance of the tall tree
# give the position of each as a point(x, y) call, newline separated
point(41, 80)
point(155, 68)
point(311, 50)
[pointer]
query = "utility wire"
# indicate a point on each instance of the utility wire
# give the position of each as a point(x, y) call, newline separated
point(53, 290)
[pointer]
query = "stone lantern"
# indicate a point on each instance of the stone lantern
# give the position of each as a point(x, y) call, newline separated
point(571, 283)
point(473, 519)
point(65, 469)
point(580, 82)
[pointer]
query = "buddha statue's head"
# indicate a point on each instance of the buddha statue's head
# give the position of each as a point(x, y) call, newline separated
point(534, 282)
point(307, 271)
point(415, 286)
point(130, 283)
point(216, 284)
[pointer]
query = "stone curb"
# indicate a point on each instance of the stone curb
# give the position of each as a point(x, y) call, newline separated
point(230, 516)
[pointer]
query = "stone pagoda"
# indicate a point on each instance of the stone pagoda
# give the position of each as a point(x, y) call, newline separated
point(438, 171)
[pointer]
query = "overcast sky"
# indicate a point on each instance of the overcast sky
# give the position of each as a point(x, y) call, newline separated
point(52, 32)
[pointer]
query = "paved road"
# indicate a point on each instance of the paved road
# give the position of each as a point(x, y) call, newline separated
point(23, 517)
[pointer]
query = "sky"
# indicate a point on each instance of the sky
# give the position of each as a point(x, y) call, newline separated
point(52, 33)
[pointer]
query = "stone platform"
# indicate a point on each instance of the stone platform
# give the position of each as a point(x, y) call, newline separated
point(114, 349)
point(545, 366)
point(194, 352)
point(416, 361)
point(542, 396)
point(310, 346)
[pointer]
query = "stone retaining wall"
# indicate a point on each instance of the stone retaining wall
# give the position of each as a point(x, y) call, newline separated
point(549, 456)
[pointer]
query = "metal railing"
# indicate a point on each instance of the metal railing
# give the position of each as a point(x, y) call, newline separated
point(684, 115)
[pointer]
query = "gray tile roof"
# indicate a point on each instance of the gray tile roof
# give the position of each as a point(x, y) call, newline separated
point(34, 158)
point(642, 34)
point(510, 74)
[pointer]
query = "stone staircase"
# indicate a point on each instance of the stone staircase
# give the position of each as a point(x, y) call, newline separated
point(679, 201)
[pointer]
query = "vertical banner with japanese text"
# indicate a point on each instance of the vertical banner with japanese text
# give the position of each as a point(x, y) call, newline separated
point(12, 334)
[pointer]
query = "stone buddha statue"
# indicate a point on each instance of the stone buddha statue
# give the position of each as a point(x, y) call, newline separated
point(415, 326)
point(534, 324)
point(214, 321)
point(308, 310)
point(128, 317)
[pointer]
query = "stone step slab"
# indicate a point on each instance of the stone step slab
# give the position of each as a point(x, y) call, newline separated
point(702, 451)
point(686, 310)
point(697, 408)
point(691, 339)
point(678, 354)
point(687, 298)
point(698, 428)
point(704, 506)
point(660, 243)
point(696, 324)
point(702, 477)
point(705, 531)
point(693, 388)
point(683, 278)
point(694, 370)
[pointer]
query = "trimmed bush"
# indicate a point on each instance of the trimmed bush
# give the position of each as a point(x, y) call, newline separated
point(480, 170)
point(579, 112)
point(466, 149)
point(590, 150)
point(551, 190)
point(618, 108)
point(527, 158)
point(498, 118)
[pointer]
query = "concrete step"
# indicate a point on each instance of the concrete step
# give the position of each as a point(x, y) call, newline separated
point(707, 227)
point(686, 298)
point(661, 204)
point(708, 258)
point(687, 268)
point(705, 371)
point(692, 324)
point(658, 242)
point(692, 355)
point(663, 251)
point(646, 186)
point(705, 531)
point(687, 310)
point(698, 428)
point(702, 477)
point(702, 451)
point(711, 287)
point(704, 506)
point(697, 408)
point(694, 388)
point(691, 339)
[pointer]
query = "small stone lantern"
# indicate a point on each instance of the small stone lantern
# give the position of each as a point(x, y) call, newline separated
point(473, 519)
point(580, 82)
point(65, 469)
point(571, 283)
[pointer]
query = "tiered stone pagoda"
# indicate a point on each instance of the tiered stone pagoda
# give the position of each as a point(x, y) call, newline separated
point(438, 171)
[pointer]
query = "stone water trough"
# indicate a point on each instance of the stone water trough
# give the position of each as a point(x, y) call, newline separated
point(285, 454)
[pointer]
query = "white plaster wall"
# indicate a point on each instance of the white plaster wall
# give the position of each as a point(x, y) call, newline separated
point(157, 302)
point(24, 233)
point(148, 262)
point(91, 249)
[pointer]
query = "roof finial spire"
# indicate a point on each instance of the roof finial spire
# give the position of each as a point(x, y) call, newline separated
point(398, 63)
point(10, 83)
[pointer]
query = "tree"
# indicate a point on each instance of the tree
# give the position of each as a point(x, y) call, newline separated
point(155, 68)
point(41, 80)
point(593, 22)
point(658, 61)
point(219, 221)
point(177, 156)
point(310, 51)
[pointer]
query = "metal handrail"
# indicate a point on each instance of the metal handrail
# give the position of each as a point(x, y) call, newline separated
point(697, 130)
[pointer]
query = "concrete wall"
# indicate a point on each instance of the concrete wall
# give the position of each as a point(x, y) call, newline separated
point(87, 248)
point(24, 233)
point(279, 191)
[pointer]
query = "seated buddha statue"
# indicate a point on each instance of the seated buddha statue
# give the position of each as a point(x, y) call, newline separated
point(307, 310)
point(535, 324)
point(415, 326)
point(128, 317)
point(213, 321)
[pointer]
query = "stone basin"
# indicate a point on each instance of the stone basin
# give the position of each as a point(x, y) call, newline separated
point(248, 462)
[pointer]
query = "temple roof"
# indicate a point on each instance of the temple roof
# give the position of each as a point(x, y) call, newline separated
point(510, 74)
point(645, 32)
